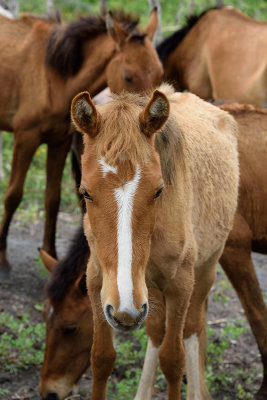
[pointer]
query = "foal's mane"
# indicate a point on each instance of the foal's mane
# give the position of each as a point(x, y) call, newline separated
point(68, 270)
point(167, 46)
point(64, 48)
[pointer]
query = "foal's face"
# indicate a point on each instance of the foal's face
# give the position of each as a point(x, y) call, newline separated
point(121, 204)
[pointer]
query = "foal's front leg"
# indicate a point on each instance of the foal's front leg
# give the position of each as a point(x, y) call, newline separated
point(171, 354)
point(103, 354)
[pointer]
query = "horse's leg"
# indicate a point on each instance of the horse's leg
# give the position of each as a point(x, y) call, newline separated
point(237, 264)
point(56, 158)
point(155, 328)
point(103, 354)
point(25, 144)
point(177, 294)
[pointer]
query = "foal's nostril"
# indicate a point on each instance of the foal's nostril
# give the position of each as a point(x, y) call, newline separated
point(145, 310)
point(51, 396)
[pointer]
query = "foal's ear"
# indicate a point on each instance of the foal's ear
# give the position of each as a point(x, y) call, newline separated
point(155, 114)
point(115, 30)
point(48, 261)
point(84, 114)
point(152, 24)
point(82, 284)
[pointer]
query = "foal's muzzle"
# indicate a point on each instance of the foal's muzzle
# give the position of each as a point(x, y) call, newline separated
point(125, 320)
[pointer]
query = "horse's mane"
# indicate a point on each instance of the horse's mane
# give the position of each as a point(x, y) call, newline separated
point(64, 48)
point(131, 143)
point(68, 270)
point(166, 47)
point(236, 108)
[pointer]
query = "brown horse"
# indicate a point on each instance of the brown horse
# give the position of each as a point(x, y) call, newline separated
point(140, 240)
point(251, 209)
point(43, 65)
point(220, 55)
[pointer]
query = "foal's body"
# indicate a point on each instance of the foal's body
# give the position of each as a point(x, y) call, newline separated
point(43, 65)
point(221, 55)
point(175, 240)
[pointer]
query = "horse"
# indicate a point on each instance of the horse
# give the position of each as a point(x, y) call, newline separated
point(43, 65)
point(219, 55)
point(252, 124)
point(143, 236)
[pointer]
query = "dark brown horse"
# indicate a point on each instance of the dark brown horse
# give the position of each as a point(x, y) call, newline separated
point(43, 65)
point(220, 55)
point(236, 262)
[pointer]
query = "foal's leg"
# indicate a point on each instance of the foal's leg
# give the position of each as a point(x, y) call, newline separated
point(155, 328)
point(171, 353)
point(237, 264)
point(195, 332)
point(103, 354)
point(25, 144)
point(56, 158)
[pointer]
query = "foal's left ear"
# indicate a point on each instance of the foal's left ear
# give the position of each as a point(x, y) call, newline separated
point(84, 114)
point(152, 24)
point(155, 114)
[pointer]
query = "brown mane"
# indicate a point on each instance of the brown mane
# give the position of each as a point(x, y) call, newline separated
point(64, 48)
point(124, 112)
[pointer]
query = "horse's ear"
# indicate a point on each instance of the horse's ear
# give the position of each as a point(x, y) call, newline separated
point(115, 30)
point(84, 114)
point(155, 114)
point(153, 23)
point(48, 261)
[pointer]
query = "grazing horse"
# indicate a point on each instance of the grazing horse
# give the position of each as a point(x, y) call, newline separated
point(140, 240)
point(219, 55)
point(43, 65)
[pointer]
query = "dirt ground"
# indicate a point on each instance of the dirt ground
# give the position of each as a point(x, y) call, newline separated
point(25, 288)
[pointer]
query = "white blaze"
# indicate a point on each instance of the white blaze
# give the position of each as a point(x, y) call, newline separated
point(105, 168)
point(124, 197)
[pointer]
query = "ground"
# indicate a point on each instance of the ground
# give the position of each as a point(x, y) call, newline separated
point(234, 372)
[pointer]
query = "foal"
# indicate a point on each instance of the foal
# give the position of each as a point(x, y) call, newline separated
point(144, 236)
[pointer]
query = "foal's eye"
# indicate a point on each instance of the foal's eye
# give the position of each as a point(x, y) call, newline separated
point(158, 193)
point(69, 330)
point(85, 194)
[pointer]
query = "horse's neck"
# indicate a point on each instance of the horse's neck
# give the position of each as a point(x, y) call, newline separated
point(92, 75)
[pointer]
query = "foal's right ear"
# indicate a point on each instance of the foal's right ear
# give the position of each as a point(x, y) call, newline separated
point(155, 114)
point(84, 114)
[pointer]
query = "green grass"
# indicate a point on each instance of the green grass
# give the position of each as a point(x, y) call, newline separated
point(22, 344)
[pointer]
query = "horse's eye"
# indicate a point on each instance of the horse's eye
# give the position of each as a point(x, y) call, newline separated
point(85, 194)
point(69, 330)
point(158, 193)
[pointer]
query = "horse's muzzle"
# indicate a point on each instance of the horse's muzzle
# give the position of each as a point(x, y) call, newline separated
point(125, 321)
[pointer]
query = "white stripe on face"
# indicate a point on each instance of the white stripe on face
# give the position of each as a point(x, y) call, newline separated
point(124, 197)
point(105, 168)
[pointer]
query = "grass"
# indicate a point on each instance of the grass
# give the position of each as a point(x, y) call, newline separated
point(22, 344)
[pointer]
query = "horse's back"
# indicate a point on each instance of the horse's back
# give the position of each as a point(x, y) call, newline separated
point(210, 141)
point(224, 57)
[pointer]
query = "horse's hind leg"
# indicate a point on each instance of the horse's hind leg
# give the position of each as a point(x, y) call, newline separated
point(56, 158)
point(237, 264)
point(25, 144)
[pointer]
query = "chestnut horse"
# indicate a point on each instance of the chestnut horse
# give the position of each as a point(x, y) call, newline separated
point(220, 55)
point(140, 240)
point(251, 209)
point(43, 65)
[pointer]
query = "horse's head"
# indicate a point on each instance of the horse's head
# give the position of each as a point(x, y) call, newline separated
point(121, 183)
point(136, 66)
point(69, 334)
